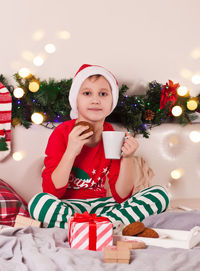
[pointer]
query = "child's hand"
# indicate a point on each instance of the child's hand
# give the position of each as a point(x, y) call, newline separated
point(129, 146)
point(76, 140)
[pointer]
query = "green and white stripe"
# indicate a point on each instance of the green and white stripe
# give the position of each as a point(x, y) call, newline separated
point(53, 212)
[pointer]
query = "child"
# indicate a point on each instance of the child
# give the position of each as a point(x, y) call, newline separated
point(75, 165)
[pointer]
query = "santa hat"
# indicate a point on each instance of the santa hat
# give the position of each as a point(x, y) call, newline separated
point(5, 121)
point(83, 73)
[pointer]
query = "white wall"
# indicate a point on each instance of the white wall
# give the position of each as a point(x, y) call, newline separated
point(168, 148)
point(139, 41)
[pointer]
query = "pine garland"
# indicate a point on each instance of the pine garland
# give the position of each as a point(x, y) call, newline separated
point(138, 113)
point(51, 99)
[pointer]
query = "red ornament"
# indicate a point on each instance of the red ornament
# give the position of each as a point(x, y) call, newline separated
point(169, 94)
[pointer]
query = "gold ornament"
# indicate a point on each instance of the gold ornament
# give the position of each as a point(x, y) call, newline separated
point(149, 115)
point(15, 122)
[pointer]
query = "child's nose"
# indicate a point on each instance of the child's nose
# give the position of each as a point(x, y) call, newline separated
point(95, 99)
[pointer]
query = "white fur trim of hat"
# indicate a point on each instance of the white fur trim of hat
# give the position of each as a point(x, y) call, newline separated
point(83, 73)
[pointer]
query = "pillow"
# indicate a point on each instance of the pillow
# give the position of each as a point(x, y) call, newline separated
point(11, 205)
point(174, 220)
point(142, 176)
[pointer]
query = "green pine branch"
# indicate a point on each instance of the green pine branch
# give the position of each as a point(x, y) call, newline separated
point(52, 100)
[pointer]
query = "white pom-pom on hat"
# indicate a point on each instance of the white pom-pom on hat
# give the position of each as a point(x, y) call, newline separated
point(83, 73)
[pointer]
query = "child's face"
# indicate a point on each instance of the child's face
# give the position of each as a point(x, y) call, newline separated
point(94, 101)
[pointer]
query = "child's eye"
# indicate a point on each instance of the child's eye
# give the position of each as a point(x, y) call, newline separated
point(86, 93)
point(103, 94)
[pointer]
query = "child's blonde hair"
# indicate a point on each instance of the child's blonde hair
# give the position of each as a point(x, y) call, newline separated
point(95, 77)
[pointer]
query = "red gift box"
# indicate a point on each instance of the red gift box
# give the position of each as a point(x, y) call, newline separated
point(89, 231)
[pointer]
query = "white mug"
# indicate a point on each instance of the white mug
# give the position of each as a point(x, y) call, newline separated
point(112, 142)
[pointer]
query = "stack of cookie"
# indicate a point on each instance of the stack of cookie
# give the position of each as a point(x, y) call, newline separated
point(138, 229)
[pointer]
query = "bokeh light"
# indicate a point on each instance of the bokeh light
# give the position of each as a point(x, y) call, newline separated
point(192, 104)
point(195, 136)
point(18, 93)
point(24, 72)
point(50, 48)
point(196, 79)
point(38, 35)
point(27, 55)
point(195, 54)
point(34, 86)
point(177, 173)
point(65, 35)
point(182, 91)
point(38, 61)
point(185, 73)
point(18, 156)
point(177, 111)
point(37, 118)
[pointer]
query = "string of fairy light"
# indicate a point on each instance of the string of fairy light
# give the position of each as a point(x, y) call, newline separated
point(40, 117)
point(192, 103)
point(34, 86)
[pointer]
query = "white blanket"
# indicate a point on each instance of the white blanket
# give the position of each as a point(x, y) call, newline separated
point(37, 249)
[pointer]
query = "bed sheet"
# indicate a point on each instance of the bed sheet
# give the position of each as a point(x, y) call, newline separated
point(47, 249)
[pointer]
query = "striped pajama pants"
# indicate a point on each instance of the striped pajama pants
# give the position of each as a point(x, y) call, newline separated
point(53, 212)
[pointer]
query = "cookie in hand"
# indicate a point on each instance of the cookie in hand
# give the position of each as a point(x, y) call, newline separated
point(85, 123)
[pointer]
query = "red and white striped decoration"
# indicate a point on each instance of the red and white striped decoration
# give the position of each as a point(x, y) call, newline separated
point(5, 118)
point(79, 235)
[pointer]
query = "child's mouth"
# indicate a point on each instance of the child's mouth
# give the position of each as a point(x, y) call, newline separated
point(94, 109)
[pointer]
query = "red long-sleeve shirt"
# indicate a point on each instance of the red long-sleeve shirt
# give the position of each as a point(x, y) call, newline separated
point(88, 174)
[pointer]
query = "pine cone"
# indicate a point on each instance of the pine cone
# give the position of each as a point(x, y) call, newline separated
point(149, 115)
point(15, 122)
